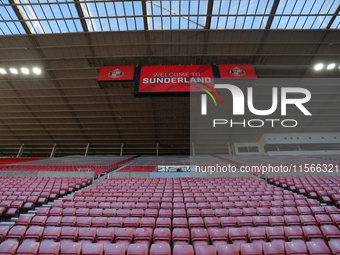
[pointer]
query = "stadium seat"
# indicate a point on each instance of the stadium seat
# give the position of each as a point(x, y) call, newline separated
point(229, 249)
point(273, 249)
point(84, 222)
point(318, 248)
point(330, 232)
point(49, 248)
point(16, 233)
point(27, 248)
point(160, 249)
point(115, 249)
point(69, 234)
point(218, 236)
point(161, 235)
point(180, 236)
point(238, 236)
point(124, 236)
point(293, 233)
point(51, 233)
point(251, 249)
point(334, 246)
point(143, 236)
point(205, 250)
point(53, 221)
point(312, 233)
point(38, 220)
point(70, 248)
point(183, 249)
point(9, 247)
point(137, 249)
point(92, 249)
point(296, 248)
point(87, 235)
point(33, 233)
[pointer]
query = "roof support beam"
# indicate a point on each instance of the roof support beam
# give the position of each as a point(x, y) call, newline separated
point(145, 18)
point(81, 15)
point(20, 17)
point(272, 12)
point(87, 149)
point(209, 13)
point(330, 23)
point(53, 150)
point(21, 150)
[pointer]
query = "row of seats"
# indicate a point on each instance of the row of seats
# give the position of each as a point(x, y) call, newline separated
point(137, 169)
point(153, 211)
point(162, 247)
point(98, 169)
point(324, 188)
point(210, 233)
point(196, 220)
point(5, 161)
point(24, 193)
point(111, 209)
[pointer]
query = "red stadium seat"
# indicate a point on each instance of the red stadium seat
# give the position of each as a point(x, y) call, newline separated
point(9, 247)
point(52, 233)
point(34, 233)
point(330, 232)
point(70, 248)
point(87, 235)
point(161, 235)
point(92, 249)
point(124, 236)
point(229, 249)
point(69, 234)
point(205, 250)
point(296, 248)
point(218, 237)
point(115, 249)
point(16, 233)
point(180, 236)
point(49, 248)
point(293, 233)
point(160, 249)
point(251, 249)
point(334, 246)
point(318, 248)
point(273, 249)
point(27, 248)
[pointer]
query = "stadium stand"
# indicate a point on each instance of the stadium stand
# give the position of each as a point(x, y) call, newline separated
point(118, 218)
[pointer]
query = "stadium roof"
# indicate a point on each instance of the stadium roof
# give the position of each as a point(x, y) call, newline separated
point(70, 16)
point(70, 40)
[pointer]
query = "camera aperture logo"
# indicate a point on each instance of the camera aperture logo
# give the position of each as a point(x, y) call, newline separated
point(239, 106)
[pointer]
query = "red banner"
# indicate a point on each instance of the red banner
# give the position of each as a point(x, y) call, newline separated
point(175, 78)
point(116, 73)
point(237, 72)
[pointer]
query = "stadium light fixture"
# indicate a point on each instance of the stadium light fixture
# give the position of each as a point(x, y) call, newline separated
point(24, 70)
point(13, 70)
point(331, 66)
point(2, 71)
point(36, 70)
point(318, 67)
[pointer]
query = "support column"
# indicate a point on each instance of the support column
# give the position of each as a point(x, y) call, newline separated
point(193, 149)
point(21, 150)
point(157, 149)
point(121, 149)
point(53, 151)
point(229, 150)
point(87, 149)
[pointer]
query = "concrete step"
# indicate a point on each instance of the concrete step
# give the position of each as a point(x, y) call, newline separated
point(6, 224)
